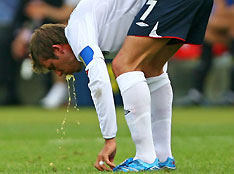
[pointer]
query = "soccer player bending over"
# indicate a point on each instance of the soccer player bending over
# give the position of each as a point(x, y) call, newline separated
point(159, 29)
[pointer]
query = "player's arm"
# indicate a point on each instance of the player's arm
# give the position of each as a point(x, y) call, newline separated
point(102, 95)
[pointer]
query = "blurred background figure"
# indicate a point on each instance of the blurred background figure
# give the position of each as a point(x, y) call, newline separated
point(8, 66)
point(33, 14)
point(220, 30)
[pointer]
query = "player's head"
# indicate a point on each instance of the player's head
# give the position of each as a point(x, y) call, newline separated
point(49, 50)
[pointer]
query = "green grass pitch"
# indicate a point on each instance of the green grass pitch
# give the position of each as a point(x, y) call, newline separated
point(32, 141)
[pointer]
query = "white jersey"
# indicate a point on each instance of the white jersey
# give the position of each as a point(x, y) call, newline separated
point(96, 26)
point(101, 23)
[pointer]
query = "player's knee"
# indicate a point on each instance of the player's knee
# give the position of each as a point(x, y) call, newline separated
point(117, 67)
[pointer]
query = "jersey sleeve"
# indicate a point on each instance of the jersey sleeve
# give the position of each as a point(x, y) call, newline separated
point(101, 91)
point(102, 95)
point(83, 40)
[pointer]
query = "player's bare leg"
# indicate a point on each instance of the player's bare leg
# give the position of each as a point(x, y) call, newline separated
point(134, 53)
point(128, 67)
point(145, 55)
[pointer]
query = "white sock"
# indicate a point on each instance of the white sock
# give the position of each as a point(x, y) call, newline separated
point(161, 113)
point(136, 100)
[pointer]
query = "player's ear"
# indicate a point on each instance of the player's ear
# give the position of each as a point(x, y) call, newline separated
point(58, 49)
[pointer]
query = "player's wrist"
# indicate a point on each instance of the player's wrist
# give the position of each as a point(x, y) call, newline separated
point(110, 140)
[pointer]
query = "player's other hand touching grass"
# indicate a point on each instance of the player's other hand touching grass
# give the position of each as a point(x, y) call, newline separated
point(106, 156)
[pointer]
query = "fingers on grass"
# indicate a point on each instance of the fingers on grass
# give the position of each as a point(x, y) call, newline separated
point(109, 163)
point(101, 167)
point(97, 166)
point(104, 167)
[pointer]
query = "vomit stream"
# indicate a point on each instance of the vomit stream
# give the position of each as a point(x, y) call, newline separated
point(71, 80)
point(71, 93)
point(70, 84)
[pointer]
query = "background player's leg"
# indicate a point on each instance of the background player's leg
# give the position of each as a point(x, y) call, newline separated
point(232, 70)
point(204, 66)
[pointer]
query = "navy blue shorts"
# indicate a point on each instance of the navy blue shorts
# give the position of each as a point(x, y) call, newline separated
point(183, 20)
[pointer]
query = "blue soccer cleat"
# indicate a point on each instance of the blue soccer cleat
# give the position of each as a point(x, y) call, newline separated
point(124, 163)
point(168, 164)
point(136, 165)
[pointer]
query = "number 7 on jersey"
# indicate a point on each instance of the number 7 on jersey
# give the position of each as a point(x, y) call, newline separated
point(151, 4)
